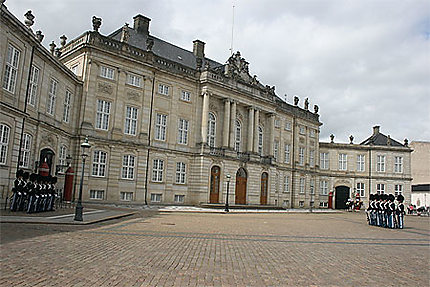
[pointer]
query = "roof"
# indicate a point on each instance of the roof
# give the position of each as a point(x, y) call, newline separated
point(163, 49)
point(381, 140)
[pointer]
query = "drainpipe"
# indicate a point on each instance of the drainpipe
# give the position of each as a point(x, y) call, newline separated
point(293, 162)
point(149, 138)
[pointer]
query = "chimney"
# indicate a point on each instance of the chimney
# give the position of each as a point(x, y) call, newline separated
point(375, 130)
point(199, 48)
point(141, 24)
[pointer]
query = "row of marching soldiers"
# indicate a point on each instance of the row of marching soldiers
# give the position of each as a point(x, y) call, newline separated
point(33, 193)
point(384, 211)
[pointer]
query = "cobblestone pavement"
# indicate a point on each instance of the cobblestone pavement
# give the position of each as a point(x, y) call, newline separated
point(191, 249)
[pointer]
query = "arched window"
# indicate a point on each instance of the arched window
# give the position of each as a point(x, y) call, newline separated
point(211, 129)
point(237, 135)
point(260, 140)
point(4, 142)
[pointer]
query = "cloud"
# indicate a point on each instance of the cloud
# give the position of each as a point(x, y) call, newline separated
point(363, 62)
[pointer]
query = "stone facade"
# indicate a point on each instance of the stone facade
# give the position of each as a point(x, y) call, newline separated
point(166, 125)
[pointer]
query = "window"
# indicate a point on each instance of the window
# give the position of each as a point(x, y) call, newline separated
point(99, 163)
point(360, 189)
point(380, 163)
point(324, 160)
point(260, 140)
point(62, 157)
point(183, 131)
point(130, 127)
point(126, 196)
point(277, 123)
point(323, 204)
point(107, 73)
point(237, 135)
point(34, 80)
point(312, 186)
point(275, 150)
point(50, 108)
point(312, 158)
point(102, 118)
point(301, 156)
point(128, 163)
point(97, 194)
point(155, 197)
point(398, 164)
point(323, 187)
point(211, 130)
point(11, 69)
point(301, 203)
point(157, 170)
point(4, 142)
point(287, 125)
point(285, 203)
point(181, 170)
point(179, 198)
point(302, 185)
point(160, 127)
point(360, 162)
point(163, 89)
point(312, 133)
point(134, 80)
point(380, 188)
point(66, 109)
point(398, 189)
point(25, 152)
point(343, 161)
point(287, 153)
point(287, 183)
point(185, 96)
point(302, 130)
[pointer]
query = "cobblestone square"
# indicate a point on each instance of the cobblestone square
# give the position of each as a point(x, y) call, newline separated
point(202, 249)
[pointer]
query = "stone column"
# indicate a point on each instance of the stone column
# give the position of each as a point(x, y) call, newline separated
point(226, 124)
point(271, 133)
point(250, 139)
point(232, 124)
point(205, 115)
point(256, 124)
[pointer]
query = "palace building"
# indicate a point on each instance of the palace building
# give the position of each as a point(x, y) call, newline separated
point(171, 126)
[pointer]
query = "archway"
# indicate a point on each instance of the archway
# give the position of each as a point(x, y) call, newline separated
point(47, 155)
point(341, 197)
point(214, 188)
point(263, 192)
point(240, 193)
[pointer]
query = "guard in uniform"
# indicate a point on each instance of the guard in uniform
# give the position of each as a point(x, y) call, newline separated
point(24, 192)
point(31, 193)
point(17, 190)
point(400, 211)
point(369, 210)
point(391, 211)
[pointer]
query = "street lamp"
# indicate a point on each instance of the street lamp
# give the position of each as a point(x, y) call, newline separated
point(228, 187)
point(79, 207)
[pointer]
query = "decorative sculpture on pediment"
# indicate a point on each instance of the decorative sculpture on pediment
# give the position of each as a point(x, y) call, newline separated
point(207, 66)
point(237, 68)
point(125, 34)
point(254, 80)
point(306, 104)
point(97, 22)
point(296, 100)
point(316, 109)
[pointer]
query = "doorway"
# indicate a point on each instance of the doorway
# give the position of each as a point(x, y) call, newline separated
point(214, 188)
point(263, 192)
point(341, 197)
point(240, 193)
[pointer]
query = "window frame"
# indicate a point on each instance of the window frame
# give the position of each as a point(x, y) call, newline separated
point(34, 84)
point(52, 97)
point(183, 128)
point(104, 72)
point(128, 166)
point(157, 170)
point(24, 162)
point(11, 68)
point(301, 156)
point(131, 120)
point(211, 134)
point(185, 96)
point(343, 161)
point(163, 89)
point(124, 195)
point(96, 192)
point(134, 80)
point(103, 114)
point(380, 163)
point(181, 173)
point(361, 163)
point(4, 142)
point(99, 167)
point(160, 127)
point(66, 106)
point(361, 189)
point(398, 165)
point(287, 148)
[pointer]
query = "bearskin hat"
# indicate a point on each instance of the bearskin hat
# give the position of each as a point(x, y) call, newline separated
point(33, 177)
point(26, 175)
point(391, 197)
point(19, 173)
point(54, 180)
point(400, 198)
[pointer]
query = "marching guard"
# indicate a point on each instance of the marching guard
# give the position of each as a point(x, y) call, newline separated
point(384, 211)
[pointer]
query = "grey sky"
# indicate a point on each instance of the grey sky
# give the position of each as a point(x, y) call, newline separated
point(364, 62)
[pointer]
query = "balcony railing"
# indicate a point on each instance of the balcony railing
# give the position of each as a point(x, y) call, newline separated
point(242, 156)
point(217, 151)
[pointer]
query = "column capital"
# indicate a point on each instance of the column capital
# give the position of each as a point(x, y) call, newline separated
point(250, 108)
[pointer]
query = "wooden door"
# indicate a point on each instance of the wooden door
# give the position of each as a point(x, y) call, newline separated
point(240, 192)
point(214, 188)
point(263, 193)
